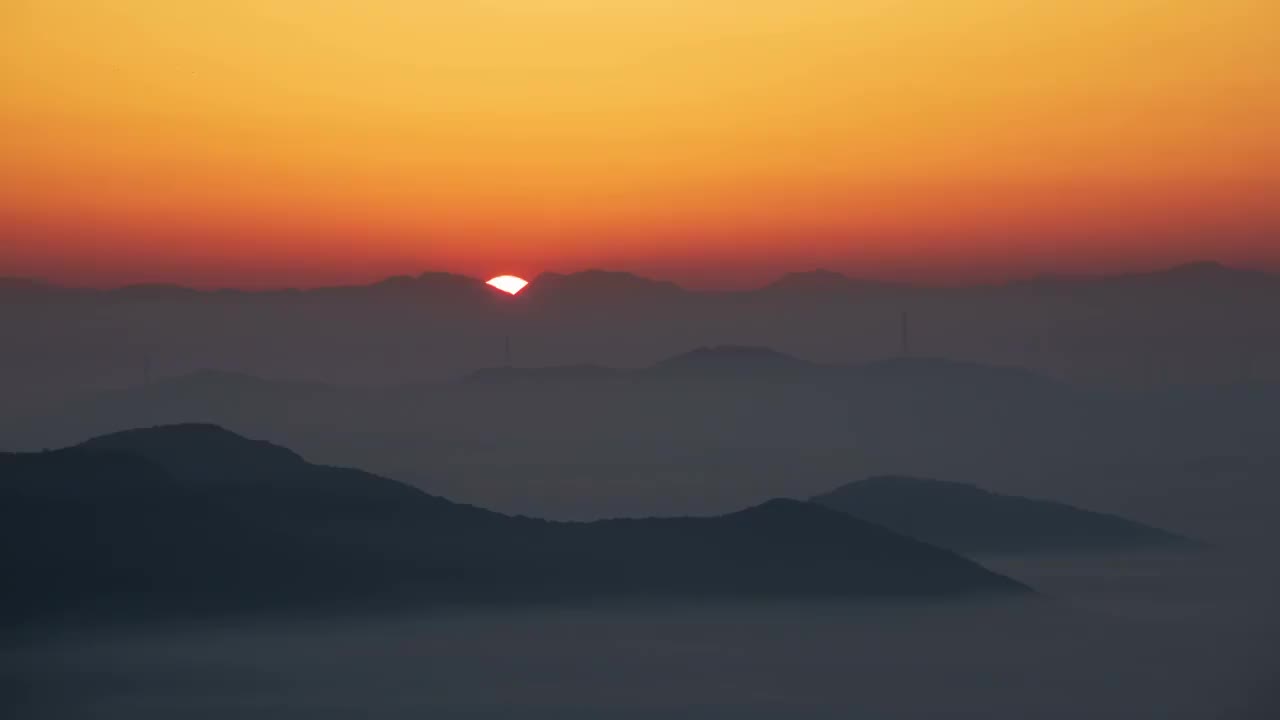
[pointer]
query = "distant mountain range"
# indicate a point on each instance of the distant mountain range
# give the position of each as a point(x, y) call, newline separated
point(1202, 274)
point(744, 362)
point(708, 363)
point(594, 284)
point(968, 519)
point(1191, 323)
point(704, 431)
point(193, 518)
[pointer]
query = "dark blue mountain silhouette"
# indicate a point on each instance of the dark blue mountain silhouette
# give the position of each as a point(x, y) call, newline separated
point(193, 518)
point(745, 361)
point(968, 519)
point(706, 363)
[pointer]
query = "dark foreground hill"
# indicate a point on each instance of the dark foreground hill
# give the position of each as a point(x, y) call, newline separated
point(968, 519)
point(193, 518)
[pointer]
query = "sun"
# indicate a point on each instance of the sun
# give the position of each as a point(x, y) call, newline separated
point(508, 283)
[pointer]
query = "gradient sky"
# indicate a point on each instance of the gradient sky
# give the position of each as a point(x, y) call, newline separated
point(716, 142)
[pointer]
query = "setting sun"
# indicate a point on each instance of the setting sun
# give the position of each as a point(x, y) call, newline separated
point(508, 283)
point(714, 143)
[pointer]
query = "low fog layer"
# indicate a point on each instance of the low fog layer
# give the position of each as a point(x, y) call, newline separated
point(1151, 398)
point(1132, 640)
point(718, 430)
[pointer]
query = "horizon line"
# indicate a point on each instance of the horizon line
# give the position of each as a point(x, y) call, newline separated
point(781, 276)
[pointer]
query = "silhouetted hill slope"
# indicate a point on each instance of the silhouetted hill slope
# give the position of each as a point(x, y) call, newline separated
point(1199, 276)
point(87, 532)
point(277, 487)
point(707, 363)
point(969, 519)
point(1195, 323)
point(17, 288)
point(750, 362)
point(729, 361)
point(432, 287)
point(777, 548)
point(598, 286)
point(604, 284)
point(1202, 275)
point(193, 518)
point(205, 455)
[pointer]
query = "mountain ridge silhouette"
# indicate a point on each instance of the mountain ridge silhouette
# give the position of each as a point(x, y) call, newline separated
point(193, 517)
point(615, 280)
point(969, 519)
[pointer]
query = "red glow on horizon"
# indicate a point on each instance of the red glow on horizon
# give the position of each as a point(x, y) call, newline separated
point(716, 144)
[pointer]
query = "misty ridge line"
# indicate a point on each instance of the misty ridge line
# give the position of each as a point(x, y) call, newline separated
point(706, 363)
point(195, 518)
point(1200, 320)
point(703, 364)
point(722, 427)
point(818, 278)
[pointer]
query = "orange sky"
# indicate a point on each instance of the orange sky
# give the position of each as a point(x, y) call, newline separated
point(719, 142)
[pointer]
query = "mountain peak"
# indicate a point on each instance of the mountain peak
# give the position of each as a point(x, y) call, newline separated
point(191, 430)
point(820, 281)
point(911, 481)
point(730, 360)
point(818, 277)
point(776, 506)
point(605, 283)
point(967, 518)
point(431, 281)
point(1210, 270)
point(1200, 266)
point(1198, 272)
point(201, 450)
